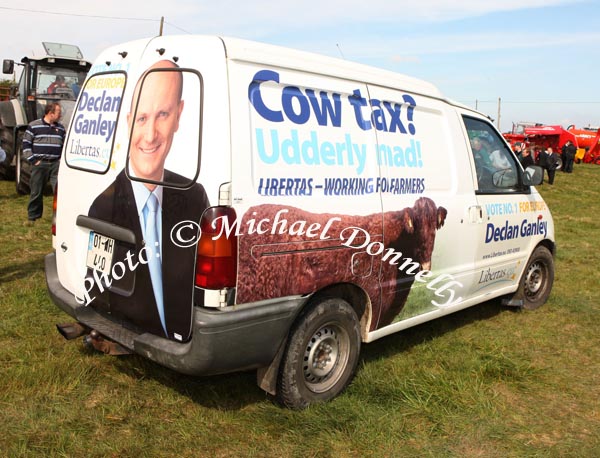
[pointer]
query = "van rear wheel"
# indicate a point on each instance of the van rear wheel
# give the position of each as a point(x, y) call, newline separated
point(538, 277)
point(321, 355)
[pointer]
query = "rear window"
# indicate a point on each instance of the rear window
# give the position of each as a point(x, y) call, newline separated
point(165, 126)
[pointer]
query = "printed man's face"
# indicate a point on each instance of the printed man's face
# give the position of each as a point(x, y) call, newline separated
point(156, 121)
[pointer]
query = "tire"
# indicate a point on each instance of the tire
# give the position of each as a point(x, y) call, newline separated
point(7, 171)
point(22, 173)
point(537, 279)
point(321, 355)
point(559, 164)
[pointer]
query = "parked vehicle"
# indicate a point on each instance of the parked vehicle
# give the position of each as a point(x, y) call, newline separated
point(35, 89)
point(588, 140)
point(299, 206)
point(540, 136)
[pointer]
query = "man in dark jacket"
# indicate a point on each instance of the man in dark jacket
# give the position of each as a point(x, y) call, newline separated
point(525, 158)
point(568, 152)
point(550, 161)
point(42, 145)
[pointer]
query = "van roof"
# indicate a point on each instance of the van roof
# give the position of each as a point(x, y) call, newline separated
point(277, 56)
point(250, 51)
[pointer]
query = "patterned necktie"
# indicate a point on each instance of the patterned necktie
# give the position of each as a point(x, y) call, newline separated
point(154, 252)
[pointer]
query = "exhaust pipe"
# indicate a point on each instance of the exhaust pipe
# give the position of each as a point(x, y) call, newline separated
point(72, 330)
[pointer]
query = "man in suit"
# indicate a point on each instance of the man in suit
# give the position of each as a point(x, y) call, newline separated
point(154, 298)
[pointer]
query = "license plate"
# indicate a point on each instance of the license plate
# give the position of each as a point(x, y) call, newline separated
point(100, 252)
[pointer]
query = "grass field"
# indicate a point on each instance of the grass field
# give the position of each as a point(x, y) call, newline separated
point(485, 382)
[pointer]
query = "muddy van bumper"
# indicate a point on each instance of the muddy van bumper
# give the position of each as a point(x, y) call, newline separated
point(246, 337)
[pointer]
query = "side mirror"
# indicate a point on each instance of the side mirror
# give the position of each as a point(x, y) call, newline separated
point(8, 66)
point(533, 175)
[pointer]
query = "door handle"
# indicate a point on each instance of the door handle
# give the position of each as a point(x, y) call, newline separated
point(476, 214)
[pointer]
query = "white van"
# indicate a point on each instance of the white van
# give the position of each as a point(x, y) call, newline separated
point(225, 205)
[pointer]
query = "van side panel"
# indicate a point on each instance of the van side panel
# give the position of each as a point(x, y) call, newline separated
point(424, 173)
point(312, 174)
point(327, 152)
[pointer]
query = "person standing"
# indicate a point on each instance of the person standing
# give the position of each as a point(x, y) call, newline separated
point(569, 151)
point(525, 157)
point(42, 145)
point(549, 160)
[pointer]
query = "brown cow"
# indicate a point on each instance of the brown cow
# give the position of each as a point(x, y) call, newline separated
point(277, 265)
point(417, 245)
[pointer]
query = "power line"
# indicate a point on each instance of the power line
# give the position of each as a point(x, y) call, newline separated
point(93, 16)
point(23, 10)
point(178, 28)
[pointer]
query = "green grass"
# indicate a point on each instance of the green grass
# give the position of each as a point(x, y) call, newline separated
point(485, 382)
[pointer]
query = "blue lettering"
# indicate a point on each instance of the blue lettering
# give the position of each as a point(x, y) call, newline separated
point(262, 152)
point(289, 94)
point(255, 96)
point(378, 115)
point(358, 101)
point(394, 111)
point(325, 111)
point(298, 105)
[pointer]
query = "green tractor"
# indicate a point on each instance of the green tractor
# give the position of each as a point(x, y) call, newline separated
point(36, 88)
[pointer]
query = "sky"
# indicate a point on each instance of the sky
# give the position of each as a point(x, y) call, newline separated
point(517, 60)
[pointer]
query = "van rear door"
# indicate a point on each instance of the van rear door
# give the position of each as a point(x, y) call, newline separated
point(133, 157)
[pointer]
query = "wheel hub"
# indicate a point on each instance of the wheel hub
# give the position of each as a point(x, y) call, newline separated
point(534, 279)
point(321, 355)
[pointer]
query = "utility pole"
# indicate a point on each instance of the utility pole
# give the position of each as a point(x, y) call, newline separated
point(162, 21)
point(499, 104)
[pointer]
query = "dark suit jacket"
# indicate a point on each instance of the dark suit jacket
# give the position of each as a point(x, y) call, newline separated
point(132, 298)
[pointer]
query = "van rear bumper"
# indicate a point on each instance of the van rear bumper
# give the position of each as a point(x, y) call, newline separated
point(243, 337)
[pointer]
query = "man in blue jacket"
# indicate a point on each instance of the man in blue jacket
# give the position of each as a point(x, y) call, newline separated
point(42, 145)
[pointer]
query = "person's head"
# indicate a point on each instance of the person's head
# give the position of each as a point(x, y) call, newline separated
point(476, 144)
point(517, 147)
point(52, 112)
point(60, 79)
point(526, 151)
point(549, 150)
point(154, 118)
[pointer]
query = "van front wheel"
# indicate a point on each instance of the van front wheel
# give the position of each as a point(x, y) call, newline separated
point(321, 355)
point(538, 277)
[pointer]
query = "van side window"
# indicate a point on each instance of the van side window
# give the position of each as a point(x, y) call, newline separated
point(495, 165)
point(92, 131)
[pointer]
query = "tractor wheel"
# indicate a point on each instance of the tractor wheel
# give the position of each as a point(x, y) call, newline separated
point(7, 171)
point(22, 172)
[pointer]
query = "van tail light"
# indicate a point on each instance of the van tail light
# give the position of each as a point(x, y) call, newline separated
point(216, 260)
point(54, 207)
